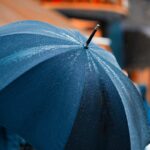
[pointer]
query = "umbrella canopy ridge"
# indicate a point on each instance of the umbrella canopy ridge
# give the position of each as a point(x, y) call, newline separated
point(58, 94)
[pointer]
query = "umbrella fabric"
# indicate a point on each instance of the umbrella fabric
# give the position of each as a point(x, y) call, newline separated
point(8, 140)
point(59, 95)
point(143, 91)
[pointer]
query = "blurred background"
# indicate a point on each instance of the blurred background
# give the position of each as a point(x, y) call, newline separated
point(125, 27)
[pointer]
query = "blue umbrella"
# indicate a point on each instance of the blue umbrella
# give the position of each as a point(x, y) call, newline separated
point(60, 92)
point(143, 92)
point(9, 141)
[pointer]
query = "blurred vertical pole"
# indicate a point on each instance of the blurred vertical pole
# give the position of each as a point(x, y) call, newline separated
point(115, 33)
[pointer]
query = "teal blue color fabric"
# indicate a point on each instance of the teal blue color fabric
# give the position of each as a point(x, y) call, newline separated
point(143, 91)
point(58, 95)
point(9, 140)
point(147, 108)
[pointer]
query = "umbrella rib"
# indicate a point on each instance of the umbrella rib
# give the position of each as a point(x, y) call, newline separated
point(91, 61)
point(73, 32)
point(70, 38)
point(49, 36)
point(112, 61)
point(38, 50)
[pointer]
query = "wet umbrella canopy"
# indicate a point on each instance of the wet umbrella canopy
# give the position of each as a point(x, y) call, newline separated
point(60, 93)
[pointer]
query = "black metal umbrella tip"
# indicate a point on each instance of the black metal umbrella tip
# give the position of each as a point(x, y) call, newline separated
point(97, 27)
point(91, 36)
